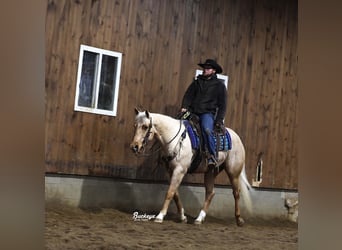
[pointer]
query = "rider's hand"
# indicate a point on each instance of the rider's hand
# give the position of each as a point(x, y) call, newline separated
point(219, 128)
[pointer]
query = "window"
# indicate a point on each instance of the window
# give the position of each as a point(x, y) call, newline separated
point(98, 80)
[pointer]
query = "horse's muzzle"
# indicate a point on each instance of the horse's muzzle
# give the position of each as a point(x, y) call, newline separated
point(135, 148)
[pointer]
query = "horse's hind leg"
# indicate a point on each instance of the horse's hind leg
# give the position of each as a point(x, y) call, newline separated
point(236, 192)
point(209, 178)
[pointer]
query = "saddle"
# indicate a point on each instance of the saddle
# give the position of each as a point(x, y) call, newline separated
point(222, 141)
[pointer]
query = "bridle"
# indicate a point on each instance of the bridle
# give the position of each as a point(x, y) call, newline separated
point(145, 140)
point(148, 132)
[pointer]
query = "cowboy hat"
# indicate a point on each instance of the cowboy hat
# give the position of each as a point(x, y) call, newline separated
point(212, 63)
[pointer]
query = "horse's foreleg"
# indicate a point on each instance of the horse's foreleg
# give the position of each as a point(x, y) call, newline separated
point(176, 179)
point(236, 192)
point(179, 204)
point(209, 179)
point(180, 208)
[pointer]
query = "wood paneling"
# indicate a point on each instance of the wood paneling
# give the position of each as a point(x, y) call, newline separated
point(162, 41)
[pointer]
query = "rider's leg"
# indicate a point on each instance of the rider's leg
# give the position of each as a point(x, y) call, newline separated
point(207, 126)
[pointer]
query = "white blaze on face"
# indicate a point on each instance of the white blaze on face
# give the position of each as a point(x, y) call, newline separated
point(141, 129)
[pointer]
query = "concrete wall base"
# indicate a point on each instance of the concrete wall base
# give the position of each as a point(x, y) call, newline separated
point(91, 192)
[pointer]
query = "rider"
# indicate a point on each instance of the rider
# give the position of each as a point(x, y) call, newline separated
point(207, 98)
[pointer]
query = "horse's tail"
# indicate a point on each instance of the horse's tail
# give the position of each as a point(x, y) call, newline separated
point(246, 190)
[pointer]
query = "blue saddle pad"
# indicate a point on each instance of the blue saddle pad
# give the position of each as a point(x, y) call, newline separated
point(225, 141)
point(195, 141)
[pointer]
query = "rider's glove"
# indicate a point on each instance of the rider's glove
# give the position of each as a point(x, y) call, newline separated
point(219, 127)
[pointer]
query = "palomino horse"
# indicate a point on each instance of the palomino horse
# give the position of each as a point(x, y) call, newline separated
point(168, 132)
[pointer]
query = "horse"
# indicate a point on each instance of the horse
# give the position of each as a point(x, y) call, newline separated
point(168, 131)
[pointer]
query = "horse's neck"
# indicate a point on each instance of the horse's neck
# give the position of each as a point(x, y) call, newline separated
point(166, 126)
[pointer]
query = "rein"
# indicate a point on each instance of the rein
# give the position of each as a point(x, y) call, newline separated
point(145, 140)
point(180, 126)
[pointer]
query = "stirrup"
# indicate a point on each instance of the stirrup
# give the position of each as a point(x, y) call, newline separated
point(212, 161)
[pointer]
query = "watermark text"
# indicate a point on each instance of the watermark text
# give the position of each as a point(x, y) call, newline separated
point(143, 217)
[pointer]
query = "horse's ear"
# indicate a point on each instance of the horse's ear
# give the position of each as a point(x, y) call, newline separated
point(147, 114)
point(136, 110)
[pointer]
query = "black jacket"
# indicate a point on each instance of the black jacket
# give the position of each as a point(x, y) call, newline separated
point(206, 96)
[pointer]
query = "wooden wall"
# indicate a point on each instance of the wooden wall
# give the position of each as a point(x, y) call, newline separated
point(162, 41)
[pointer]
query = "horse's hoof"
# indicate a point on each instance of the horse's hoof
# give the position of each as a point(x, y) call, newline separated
point(198, 222)
point(157, 220)
point(184, 220)
point(240, 222)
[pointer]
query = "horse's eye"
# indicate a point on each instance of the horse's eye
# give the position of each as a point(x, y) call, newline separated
point(144, 127)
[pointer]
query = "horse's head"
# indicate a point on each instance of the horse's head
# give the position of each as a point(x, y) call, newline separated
point(144, 131)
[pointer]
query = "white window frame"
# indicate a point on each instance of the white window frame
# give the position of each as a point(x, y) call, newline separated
point(94, 109)
point(219, 76)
